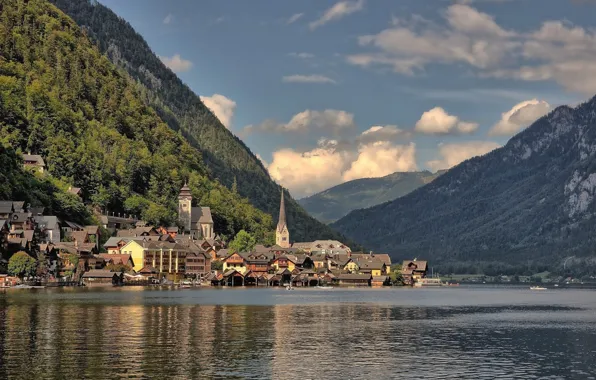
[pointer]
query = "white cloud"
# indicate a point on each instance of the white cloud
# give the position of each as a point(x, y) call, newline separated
point(168, 19)
point(520, 116)
point(557, 51)
point(293, 18)
point(453, 154)
point(176, 63)
point(380, 159)
point(302, 55)
point(313, 78)
point(436, 122)
point(222, 107)
point(327, 120)
point(338, 11)
point(329, 164)
point(382, 133)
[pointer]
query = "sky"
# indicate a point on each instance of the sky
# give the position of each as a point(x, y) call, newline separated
point(329, 91)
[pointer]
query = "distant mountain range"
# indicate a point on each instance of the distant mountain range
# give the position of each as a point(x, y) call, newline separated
point(526, 206)
point(336, 202)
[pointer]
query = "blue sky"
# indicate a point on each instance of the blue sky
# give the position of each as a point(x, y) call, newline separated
point(327, 91)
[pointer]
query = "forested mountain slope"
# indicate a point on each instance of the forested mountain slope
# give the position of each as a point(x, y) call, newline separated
point(529, 203)
point(331, 204)
point(61, 98)
point(227, 157)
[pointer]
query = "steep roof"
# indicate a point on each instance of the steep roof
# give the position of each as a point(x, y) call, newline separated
point(281, 223)
point(414, 264)
point(47, 221)
point(99, 273)
point(116, 258)
point(201, 215)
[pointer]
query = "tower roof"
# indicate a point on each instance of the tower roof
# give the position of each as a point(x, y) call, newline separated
point(185, 191)
point(282, 214)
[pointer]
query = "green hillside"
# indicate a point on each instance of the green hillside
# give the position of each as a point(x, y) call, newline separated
point(227, 158)
point(61, 98)
point(331, 204)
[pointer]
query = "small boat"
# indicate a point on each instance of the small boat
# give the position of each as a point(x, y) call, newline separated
point(537, 288)
point(323, 287)
point(289, 287)
point(23, 286)
point(556, 285)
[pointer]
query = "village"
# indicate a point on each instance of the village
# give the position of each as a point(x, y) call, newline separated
point(189, 254)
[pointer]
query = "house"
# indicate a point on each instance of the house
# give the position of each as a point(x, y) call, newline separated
point(168, 258)
point(379, 280)
point(319, 261)
point(33, 162)
point(79, 236)
point(50, 228)
point(236, 262)
point(354, 279)
point(101, 276)
point(138, 231)
point(198, 264)
point(257, 263)
point(195, 220)
point(372, 267)
point(117, 259)
point(171, 231)
point(284, 262)
point(413, 270)
point(385, 258)
point(75, 191)
point(232, 277)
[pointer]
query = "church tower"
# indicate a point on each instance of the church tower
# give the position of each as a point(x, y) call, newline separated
point(184, 207)
point(282, 235)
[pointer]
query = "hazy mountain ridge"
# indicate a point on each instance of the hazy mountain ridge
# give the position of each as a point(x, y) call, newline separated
point(529, 201)
point(337, 201)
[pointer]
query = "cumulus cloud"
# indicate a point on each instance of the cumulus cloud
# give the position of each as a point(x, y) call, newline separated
point(380, 159)
point(338, 11)
point(176, 63)
point(330, 163)
point(222, 107)
point(328, 120)
point(293, 18)
point(382, 133)
point(453, 154)
point(437, 121)
point(520, 116)
point(313, 78)
point(557, 51)
point(168, 19)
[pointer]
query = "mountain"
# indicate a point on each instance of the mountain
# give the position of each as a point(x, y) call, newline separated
point(227, 158)
point(62, 99)
point(331, 204)
point(527, 204)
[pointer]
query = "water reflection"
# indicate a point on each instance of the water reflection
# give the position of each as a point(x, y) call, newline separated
point(55, 338)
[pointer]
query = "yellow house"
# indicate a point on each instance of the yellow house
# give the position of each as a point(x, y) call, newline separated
point(168, 258)
point(284, 262)
point(234, 261)
point(374, 267)
point(352, 267)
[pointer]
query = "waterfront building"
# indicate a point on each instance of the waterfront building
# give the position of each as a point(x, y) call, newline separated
point(413, 270)
point(168, 258)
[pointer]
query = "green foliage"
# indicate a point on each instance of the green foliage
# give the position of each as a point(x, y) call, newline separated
point(22, 265)
point(336, 202)
point(217, 265)
point(243, 242)
point(72, 258)
point(226, 157)
point(59, 97)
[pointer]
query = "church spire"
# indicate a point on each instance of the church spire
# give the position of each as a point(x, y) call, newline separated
point(282, 214)
point(282, 235)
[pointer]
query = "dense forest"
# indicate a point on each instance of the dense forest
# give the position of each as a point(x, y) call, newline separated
point(61, 98)
point(227, 158)
point(336, 202)
point(528, 205)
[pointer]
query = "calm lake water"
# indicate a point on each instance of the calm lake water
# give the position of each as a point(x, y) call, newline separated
point(465, 332)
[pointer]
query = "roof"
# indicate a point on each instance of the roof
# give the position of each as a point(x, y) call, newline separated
point(372, 264)
point(116, 258)
point(137, 231)
point(79, 236)
point(73, 225)
point(2, 223)
point(380, 278)
point(19, 217)
point(92, 230)
point(28, 234)
point(416, 265)
point(74, 190)
point(172, 229)
point(34, 158)
point(36, 211)
point(223, 253)
point(99, 273)
point(201, 215)
point(148, 269)
point(350, 276)
point(49, 222)
point(185, 191)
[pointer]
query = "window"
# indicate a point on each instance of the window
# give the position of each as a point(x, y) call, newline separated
point(283, 238)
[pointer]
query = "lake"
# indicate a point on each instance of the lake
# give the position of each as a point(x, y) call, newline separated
point(478, 332)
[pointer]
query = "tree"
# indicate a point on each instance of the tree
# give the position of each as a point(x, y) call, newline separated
point(22, 265)
point(243, 242)
point(118, 268)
